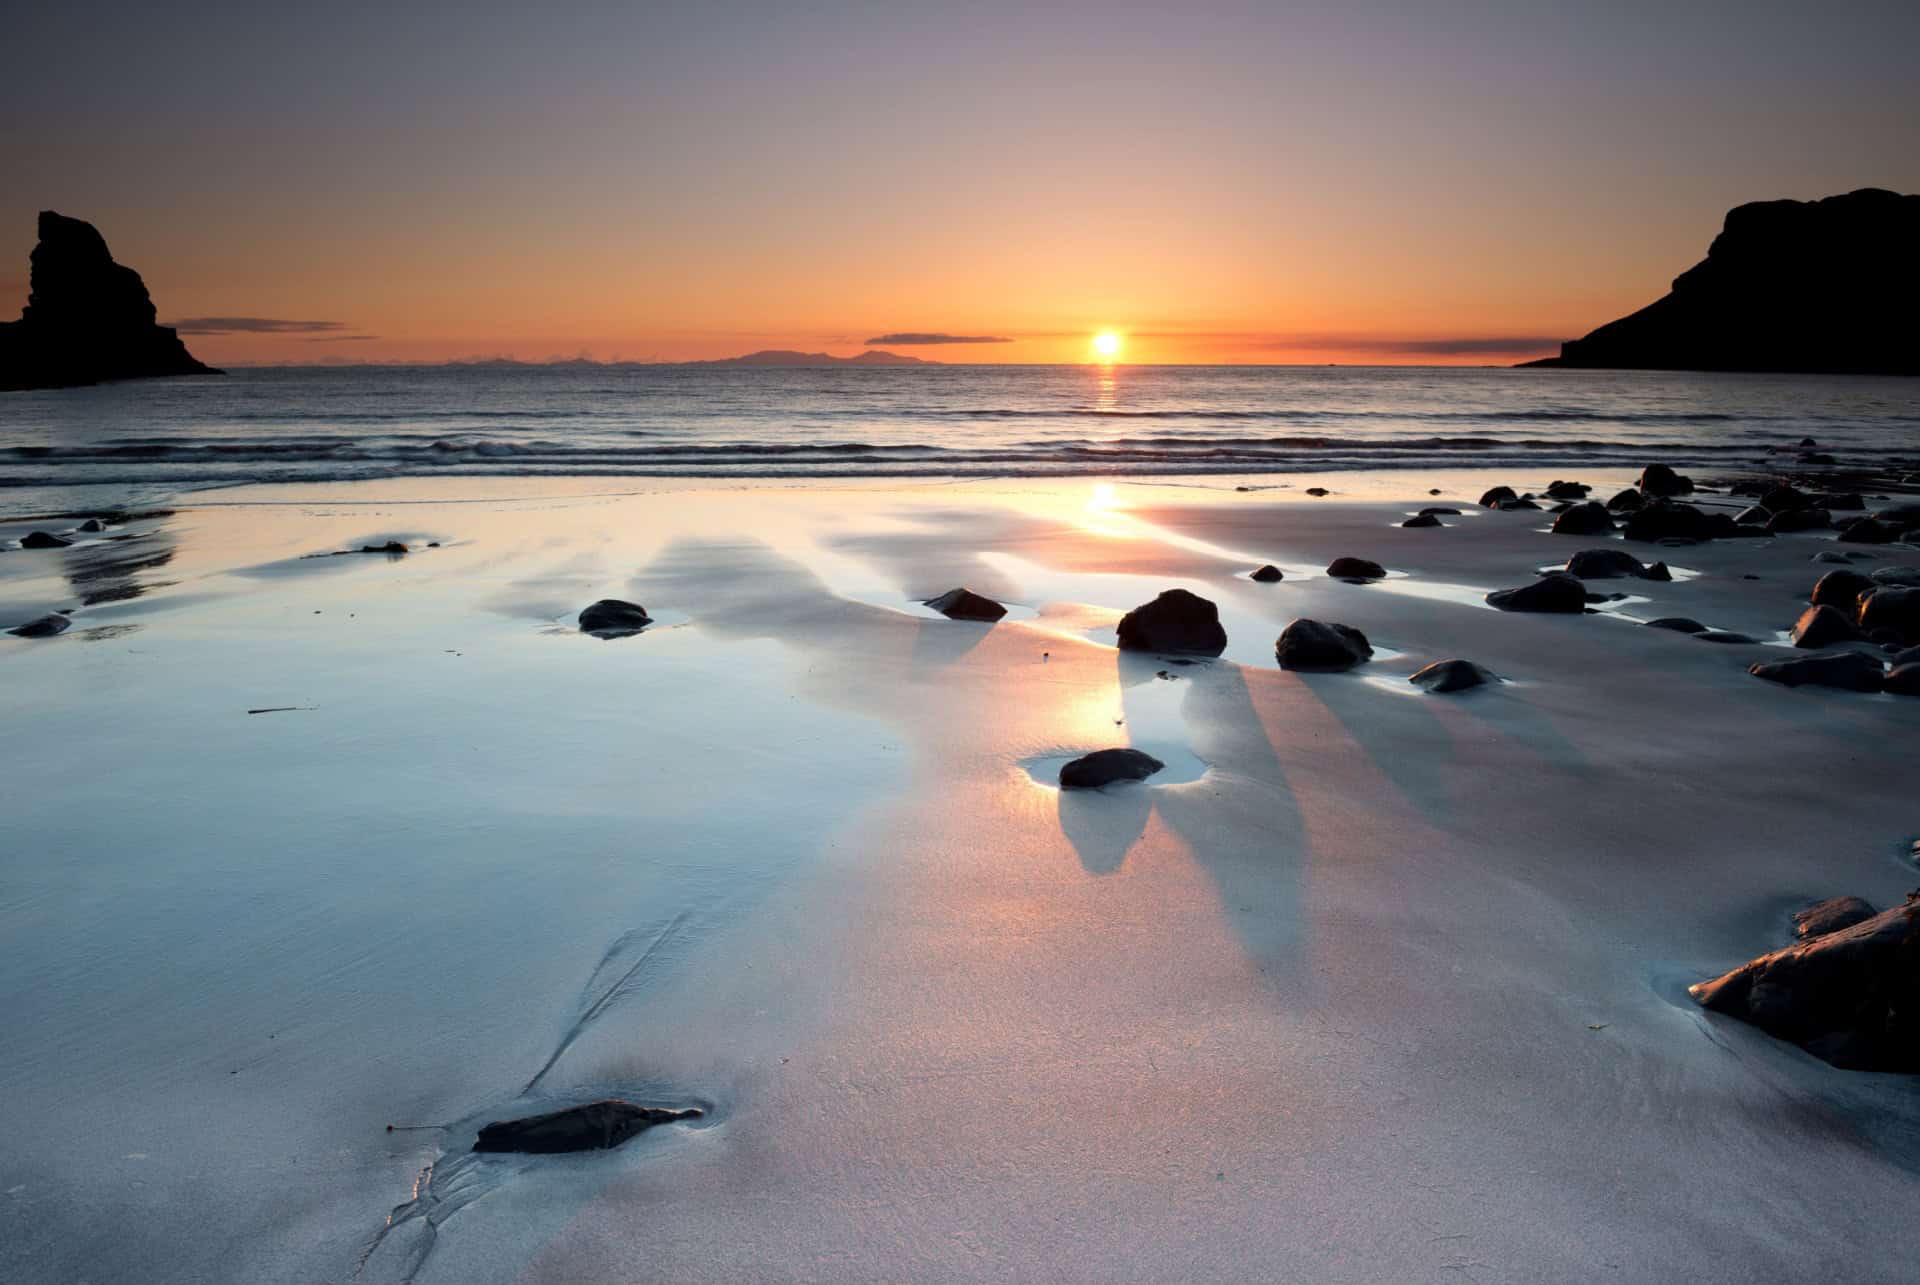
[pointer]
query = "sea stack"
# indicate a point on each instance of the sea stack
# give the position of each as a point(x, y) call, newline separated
point(1817, 286)
point(87, 319)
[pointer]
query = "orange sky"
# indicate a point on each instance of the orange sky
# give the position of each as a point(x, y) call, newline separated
point(1226, 183)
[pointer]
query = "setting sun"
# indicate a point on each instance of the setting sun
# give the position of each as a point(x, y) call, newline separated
point(1106, 345)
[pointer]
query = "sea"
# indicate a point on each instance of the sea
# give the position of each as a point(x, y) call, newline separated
point(143, 442)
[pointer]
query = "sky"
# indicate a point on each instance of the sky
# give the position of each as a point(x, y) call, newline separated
point(1389, 182)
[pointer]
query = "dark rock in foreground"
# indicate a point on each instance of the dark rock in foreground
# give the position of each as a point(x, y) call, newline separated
point(1850, 997)
point(610, 617)
point(1452, 676)
point(1584, 519)
point(1823, 627)
point(1891, 608)
point(1679, 625)
point(1841, 589)
point(1556, 591)
point(965, 604)
point(596, 1126)
point(87, 319)
point(1268, 574)
point(1659, 481)
point(44, 627)
point(1317, 645)
point(1604, 564)
point(1848, 670)
point(1104, 767)
point(1355, 569)
point(1626, 501)
point(1176, 621)
point(1830, 916)
point(1787, 286)
point(43, 540)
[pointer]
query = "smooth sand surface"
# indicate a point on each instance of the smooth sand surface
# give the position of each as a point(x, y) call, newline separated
point(1383, 985)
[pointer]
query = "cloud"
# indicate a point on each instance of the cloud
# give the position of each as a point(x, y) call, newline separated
point(925, 337)
point(252, 326)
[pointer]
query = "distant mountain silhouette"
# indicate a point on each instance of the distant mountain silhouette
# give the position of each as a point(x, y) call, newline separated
point(1830, 286)
point(87, 319)
point(788, 357)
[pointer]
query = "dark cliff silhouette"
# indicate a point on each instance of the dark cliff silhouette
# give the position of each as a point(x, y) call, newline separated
point(1830, 286)
point(87, 319)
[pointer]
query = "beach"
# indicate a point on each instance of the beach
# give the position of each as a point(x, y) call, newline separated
point(1371, 983)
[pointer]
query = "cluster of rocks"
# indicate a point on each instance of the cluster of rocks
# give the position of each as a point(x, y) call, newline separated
point(1848, 991)
point(1781, 508)
point(1848, 616)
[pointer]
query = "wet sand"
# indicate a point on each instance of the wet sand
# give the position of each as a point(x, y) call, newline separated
point(1371, 984)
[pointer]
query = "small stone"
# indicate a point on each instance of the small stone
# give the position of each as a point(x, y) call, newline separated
point(1556, 591)
point(1104, 767)
point(1355, 569)
point(1317, 645)
point(1439, 511)
point(1452, 676)
point(1318, 490)
point(45, 627)
point(964, 604)
point(613, 618)
point(44, 540)
point(1267, 574)
point(1679, 625)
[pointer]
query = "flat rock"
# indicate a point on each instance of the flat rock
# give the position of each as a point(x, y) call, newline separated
point(1555, 592)
point(1439, 511)
point(1268, 574)
point(1830, 916)
point(1318, 490)
point(1850, 997)
point(1318, 645)
point(44, 540)
point(1823, 627)
point(1355, 569)
point(1176, 621)
point(45, 627)
point(610, 617)
point(1679, 625)
point(1422, 520)
point(1452, 676)
point(1104, 767)
point(1584, 519)
point(965, 604)
point(391, 546)
point(596, 1126)
point(1848, 670)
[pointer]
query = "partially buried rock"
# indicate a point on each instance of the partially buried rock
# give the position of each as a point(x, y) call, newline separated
point(391, 546)
point(1867, 531)
point(43, 540)
point(1626, 501)
point(1659, 480)
point(44, 627)
point(1422, 520)
point(1604, 564)
point(1439, 511)
point(1850, 997)
point(1793, 520)
point(1176, 621)
point(1678, 624)
point(1890, 608)
point(1452, 676)
point(1726, 636)
point(596, 1126)
point(1903, 680)
point(1267, 574)
point(1317, 490)
point(1666, 520)
point(1317, 645)
point(1104, 767)
point(1498, 496)
point(1840, 589)
point(1558, 490)
point(965, 604)
point(611, 617)
point(1355, 569)
point(1584, 519)
point(1848, 670)
point(93, 526)
point(1656, 571)
point(1555, 592)
point(1823, 627)
point(1830, 916)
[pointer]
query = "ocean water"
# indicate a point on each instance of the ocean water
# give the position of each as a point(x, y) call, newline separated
point(145, 441)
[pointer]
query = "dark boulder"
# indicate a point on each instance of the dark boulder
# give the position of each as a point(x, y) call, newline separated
point(1626, 501)
point(1267, 574)
point(596, 1126)
point(1903, 680)
point(1678, 624)
point(1823, 627)
point(1900, 577)
point(1840, 589)
point(1659, 481)
point(1176, 621)
point(1790, 521)
point(44, 540)
point(1422, 520)
point(1900, 515)
point(1355, 569)
point(1850, 997)
point(1557, 490)
point(965, 604)
point(1657, 571)
point(1555, 592)
point(1584, 519)
point(1891, 608)
point(610, 618)
point(1669, 521)
point(1843, 502)
point(1452, 676)
point(1830, 916)
point(1104, 767)
point(87, 318)
point(44, 627)
point(1785, 498)
point(1867, 531)
point(1848, 670)
point(1519, 505)
point(1496, 497)
point(1317, 645)
point(1604, 564)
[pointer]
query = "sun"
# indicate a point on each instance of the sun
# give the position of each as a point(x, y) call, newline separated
point(1106, 345)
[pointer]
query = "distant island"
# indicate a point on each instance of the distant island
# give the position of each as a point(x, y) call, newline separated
point(1816, 287)
point(88, 319)
point(788, 357)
